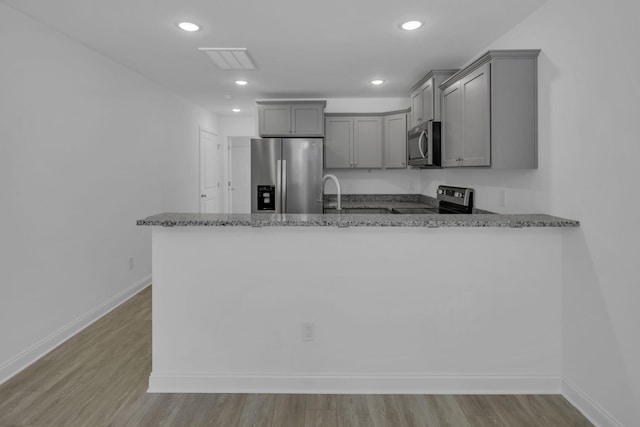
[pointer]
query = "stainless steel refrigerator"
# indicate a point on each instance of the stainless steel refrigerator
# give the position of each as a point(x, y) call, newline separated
point(286, 174)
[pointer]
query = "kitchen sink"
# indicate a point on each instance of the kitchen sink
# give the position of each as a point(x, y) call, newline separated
point(358, 211)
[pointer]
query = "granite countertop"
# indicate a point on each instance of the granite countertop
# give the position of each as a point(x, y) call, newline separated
point(479, 218)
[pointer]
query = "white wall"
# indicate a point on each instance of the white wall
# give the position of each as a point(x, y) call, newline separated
point(494, 326)
point(589, 150)
point(86, 148)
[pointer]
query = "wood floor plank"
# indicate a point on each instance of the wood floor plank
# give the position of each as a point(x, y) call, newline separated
point(475, 406)
point(443, 410)
point(196, 410)
point(100, 376)
point(321, 401)
point(163, 411)
point(352, 411)
point(227, 410)
point(414, 409)
point(565, 411)
point(384, 411)
point(289, 410)
point(258, 411)
point(320, 418)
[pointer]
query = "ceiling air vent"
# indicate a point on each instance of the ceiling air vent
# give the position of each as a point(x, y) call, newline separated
point(229, 58)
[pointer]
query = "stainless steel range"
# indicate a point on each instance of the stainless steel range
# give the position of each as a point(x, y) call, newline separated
point(451, 200)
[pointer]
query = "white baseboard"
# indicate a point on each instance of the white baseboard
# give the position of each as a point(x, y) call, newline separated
point(589, 408)
point(349, 384)
point(44, 346)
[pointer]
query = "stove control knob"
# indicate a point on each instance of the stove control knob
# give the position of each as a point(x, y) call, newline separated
point(440, 191)
point(457, 194)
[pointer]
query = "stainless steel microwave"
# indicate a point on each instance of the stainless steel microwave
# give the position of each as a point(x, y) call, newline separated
point(424, 145)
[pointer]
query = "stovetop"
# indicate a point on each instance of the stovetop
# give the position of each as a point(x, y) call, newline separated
point(422, 211)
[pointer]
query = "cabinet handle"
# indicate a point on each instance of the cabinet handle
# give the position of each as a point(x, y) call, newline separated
point(419, 119)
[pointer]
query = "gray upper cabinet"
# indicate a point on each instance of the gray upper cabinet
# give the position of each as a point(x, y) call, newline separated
point(395, 141)
point(358, 141)
point(427, 100)
point(278, 118)
point(338, 142)
point(425, 97)
point(416, 108)
point(367, 142)
point(476, 104)
point(275, 120)
point(490, 112)
point(453, 141)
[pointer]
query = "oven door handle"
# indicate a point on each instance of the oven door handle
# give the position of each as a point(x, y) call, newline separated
point(422, 153)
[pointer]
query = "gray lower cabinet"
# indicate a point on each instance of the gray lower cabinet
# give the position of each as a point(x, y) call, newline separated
point(489, 112)
point(353, 142)
point(395, 141)
point(279, 118)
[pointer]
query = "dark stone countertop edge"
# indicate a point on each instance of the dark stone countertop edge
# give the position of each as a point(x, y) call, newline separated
point(349, 220)
point(479, 218)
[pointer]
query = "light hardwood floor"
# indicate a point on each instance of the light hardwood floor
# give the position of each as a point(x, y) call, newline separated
point(99, 378)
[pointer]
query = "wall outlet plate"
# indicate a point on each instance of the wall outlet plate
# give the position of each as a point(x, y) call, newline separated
point(308, 331)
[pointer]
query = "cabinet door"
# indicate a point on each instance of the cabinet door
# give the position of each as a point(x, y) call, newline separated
point(427, 101)
point(395, 141)
point(416, 108)
point(452, 138)
point(274, 120)
point(476, 113)
point(367, 142)
point(307, 119)
point(338, 142)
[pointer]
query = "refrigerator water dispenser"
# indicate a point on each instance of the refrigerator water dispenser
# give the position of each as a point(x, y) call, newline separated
point(266, 197)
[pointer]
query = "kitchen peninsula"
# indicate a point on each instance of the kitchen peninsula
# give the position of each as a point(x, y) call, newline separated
point(357, 303)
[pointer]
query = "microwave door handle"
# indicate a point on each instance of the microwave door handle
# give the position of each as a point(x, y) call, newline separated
point(423, 134)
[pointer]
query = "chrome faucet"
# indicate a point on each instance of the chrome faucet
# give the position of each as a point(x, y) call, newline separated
point(335, 179)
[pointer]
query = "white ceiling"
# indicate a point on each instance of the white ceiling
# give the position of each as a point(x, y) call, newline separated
point(304, 49)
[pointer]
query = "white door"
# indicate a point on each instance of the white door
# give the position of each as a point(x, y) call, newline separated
point(211, 173)
point(239, 184)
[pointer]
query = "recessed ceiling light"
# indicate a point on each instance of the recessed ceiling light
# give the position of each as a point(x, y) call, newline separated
point(235, 110)
point(241, 82)
point(189, 26)
point(411, 25)
point(376, 82)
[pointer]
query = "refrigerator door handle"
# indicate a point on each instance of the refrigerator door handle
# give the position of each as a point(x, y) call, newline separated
point(278, 185)
point(284, 186)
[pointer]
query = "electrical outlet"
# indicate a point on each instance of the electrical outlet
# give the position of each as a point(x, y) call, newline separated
point(308, 331)
point(131, 263)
